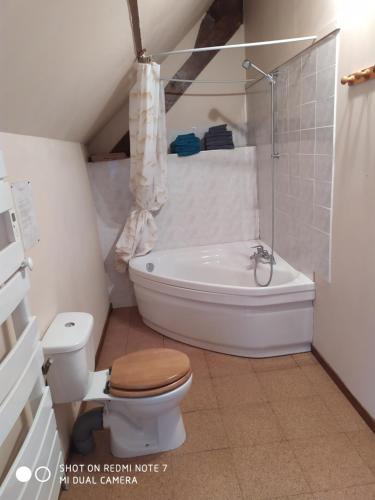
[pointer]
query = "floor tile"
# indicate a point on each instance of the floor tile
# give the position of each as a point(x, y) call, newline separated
point(305, 417)
point(344, 412)
point(111, 350)
point(206, 476)
point(237, 390)
point(268, 471)
point(254, 407)
point(89, 492)
point(304, 496)
point(200, 397)
point(305, 358)
point(364, 443)
point(269, 364)
point(355, 493)
point(158, 485)
point(331, 462)
point(140, 338)
point(204, 431)
point(223, 364)
point(319, 378)
point(285, 384)
point(198, 364)
point(251, 424)
point(180, 346)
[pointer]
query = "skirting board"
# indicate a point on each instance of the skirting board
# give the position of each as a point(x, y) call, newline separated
point(370, 421)
point(102, 337)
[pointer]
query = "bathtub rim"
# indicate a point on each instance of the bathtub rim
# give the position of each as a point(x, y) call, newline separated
point(300, 288)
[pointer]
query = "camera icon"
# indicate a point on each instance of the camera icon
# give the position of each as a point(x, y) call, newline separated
point(42, 474)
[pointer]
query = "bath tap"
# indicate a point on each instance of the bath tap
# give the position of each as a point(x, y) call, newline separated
point(262, 253)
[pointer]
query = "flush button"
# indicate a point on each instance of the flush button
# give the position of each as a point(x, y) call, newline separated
point(150, 267)
point(70, 324)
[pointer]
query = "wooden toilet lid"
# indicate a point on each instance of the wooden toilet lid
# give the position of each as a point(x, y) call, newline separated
point(118, 393)
point(148, 369)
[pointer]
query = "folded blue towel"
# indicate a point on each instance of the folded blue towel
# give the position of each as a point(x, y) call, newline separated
point(219, 140)
point(224, 146)
point(217, 128)
point(186, 145)
point(186, 139)
point(224, 133)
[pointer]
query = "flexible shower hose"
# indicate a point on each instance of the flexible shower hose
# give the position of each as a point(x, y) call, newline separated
point(273, 156)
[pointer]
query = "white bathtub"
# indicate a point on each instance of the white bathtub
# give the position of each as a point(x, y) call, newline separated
point(207, 297)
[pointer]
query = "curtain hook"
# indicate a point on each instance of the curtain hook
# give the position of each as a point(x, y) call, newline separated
point(142, 57)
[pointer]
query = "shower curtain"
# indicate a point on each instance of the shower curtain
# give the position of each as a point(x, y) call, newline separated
point(148, 164)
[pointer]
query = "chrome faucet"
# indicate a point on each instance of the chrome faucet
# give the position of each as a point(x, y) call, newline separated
point(262, 253)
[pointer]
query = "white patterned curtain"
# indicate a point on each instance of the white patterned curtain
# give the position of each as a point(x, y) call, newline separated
point(148, 164)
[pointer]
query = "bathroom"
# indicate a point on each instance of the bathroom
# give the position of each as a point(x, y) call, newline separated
point(242, 316)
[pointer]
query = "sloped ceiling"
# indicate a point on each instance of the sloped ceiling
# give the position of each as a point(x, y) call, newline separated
point(65, 65)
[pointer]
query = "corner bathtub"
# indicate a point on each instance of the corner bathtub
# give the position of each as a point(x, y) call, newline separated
point(206, 296)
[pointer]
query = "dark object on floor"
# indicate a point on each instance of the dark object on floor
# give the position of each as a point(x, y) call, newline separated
point(218, 137)
point(82, 435)
point(186, 145)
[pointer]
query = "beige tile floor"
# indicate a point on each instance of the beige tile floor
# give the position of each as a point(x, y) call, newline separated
point(256, 429)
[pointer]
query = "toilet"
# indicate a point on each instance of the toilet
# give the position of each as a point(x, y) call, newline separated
point(140, 394)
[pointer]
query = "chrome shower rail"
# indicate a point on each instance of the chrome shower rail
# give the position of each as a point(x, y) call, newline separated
point(235, 46)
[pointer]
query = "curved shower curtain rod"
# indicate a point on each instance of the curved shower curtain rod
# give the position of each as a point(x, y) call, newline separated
point(235, 46)
point(183, 80)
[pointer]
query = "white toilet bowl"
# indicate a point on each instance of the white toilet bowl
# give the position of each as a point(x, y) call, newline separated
point(138, 425)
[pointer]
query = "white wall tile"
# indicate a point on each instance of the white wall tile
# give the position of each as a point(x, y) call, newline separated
point(323, 167)
point(324, 112)
point(303, 195)
point(307, 166)
point(325, 83)
point(308, 62)
point(322, 218)
point(326, 53)
point(307, 141)
point(308, 88)
point(323, 193)
point(324, 141)
point(308, 115)
point(212, 199)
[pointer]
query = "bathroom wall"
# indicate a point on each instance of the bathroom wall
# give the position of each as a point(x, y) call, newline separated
point(212, 199)
point(68, 272)
point(202, 105)
point(75, 58)
point(304, 107)
point(344, 319)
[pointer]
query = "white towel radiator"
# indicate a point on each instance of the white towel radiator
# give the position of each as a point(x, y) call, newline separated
point(34, 468)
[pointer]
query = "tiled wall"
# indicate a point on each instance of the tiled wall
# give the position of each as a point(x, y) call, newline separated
point(303, 175)
point(212, 199)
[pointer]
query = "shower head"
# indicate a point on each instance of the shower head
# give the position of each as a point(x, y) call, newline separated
point(247, 64)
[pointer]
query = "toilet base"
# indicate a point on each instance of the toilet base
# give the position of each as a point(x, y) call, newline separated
point(135, 437)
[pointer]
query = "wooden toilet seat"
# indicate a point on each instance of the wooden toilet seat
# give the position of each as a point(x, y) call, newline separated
point(149, 372)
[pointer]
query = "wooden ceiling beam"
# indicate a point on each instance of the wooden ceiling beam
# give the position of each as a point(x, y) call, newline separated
point(220, 23)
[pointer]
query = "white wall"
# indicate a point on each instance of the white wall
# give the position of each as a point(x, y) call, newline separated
point(207, 104)
point(201, 106)
point(212, 199)
point(344, 318)
point(74, 58)
point(279, 19)
point(68, 270)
